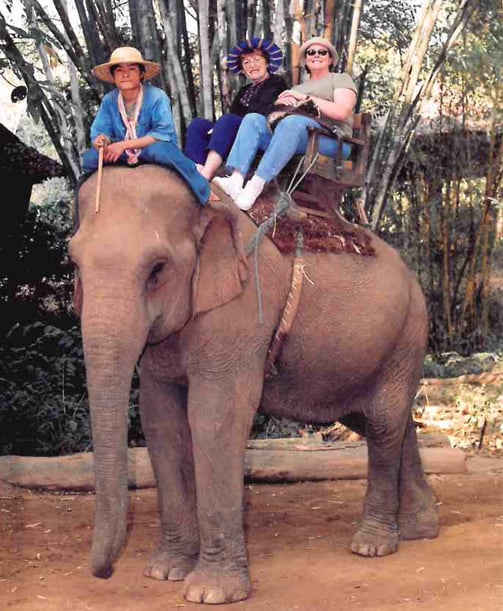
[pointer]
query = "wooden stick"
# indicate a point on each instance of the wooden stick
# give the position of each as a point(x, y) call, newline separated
point(361, 212)
point(100, 174)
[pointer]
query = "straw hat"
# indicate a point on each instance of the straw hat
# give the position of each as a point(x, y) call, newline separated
point(323, 42)
point(271, 51)
point(126, 55)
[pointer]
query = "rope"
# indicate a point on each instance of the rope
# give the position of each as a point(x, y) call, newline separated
point(282, 205)
point(291, 188)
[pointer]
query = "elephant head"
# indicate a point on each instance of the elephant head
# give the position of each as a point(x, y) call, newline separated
point(148, 262)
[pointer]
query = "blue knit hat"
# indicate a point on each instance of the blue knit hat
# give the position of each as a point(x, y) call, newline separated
point(272, 52)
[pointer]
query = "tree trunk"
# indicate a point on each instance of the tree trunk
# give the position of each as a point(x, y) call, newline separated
point(355, 23)
point(179, 89)
point(78, 110)
point(102, 18)
point(329, 19)
point(145, 32)
point(279, 24)
point(204, 60)
point(94, 47)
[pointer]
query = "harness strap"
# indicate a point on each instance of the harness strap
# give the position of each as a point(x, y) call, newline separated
point(287, 317)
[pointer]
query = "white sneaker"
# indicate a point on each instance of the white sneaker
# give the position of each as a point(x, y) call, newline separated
point(232, 185)
point(249, 194)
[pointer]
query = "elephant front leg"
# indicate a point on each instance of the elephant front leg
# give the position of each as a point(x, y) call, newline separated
point(163, 410)
point(220, 418)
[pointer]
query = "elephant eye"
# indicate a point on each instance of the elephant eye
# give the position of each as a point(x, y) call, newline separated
point(156, 275)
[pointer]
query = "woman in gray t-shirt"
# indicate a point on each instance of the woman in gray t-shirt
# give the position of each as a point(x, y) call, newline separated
point(335, 96)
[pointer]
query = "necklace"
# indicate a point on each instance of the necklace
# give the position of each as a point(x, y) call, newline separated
point(250, 92)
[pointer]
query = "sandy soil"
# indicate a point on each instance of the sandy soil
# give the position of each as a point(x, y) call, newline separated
point(298, 536)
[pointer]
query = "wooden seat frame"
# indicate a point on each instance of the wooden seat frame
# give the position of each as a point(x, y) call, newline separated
point(328, 177)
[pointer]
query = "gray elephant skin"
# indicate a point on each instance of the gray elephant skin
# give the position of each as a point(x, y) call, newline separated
point(165, 282)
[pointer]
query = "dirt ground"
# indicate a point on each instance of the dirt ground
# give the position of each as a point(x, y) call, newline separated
point(298, 536)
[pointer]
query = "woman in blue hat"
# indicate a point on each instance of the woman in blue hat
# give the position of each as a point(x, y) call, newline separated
point(208, 144)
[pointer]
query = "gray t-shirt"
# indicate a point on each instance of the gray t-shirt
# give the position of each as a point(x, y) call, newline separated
point(324, 88)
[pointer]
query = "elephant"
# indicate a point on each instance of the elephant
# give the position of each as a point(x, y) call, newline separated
point(166, 285)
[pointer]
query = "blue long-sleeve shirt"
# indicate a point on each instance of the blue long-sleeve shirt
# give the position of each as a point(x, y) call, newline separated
point(155, 118)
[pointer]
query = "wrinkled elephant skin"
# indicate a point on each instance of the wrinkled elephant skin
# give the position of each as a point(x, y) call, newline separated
point(164, 280)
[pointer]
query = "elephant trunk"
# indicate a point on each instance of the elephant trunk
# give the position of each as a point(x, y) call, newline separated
point(113, 341)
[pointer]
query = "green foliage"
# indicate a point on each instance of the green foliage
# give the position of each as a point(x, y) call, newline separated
point(35, 275)
point(392, 33)
point(43, 400)
point(43, 406)
point(44, 409)
point(382, 46)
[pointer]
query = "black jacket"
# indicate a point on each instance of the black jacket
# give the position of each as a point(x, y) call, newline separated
point(258, 98)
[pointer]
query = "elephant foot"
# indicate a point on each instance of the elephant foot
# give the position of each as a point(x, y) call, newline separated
point(419, 525)
point(374, 540)
point(163, 565)
point(202, 586)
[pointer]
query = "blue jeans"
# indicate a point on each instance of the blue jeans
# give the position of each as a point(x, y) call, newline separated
point(161, 153)
point(199, 141)
point(289, 138)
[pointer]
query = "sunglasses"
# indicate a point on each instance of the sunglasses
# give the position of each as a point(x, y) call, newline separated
point(312, 52)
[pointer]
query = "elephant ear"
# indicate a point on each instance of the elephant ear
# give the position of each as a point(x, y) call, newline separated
point(222, 269)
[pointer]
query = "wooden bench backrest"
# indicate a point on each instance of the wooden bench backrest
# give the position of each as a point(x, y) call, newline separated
point(345, 173)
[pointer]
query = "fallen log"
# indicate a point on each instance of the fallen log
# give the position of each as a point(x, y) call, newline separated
point(313, 443)
point(487, 377)
point(343, 460)
point(346, 463)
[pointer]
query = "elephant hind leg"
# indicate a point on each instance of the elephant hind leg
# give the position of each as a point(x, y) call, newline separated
point(384, 419)
point(418, 515)
point(377, 534)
